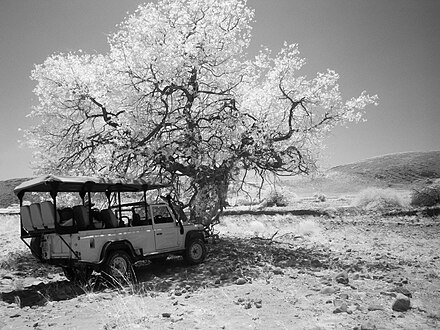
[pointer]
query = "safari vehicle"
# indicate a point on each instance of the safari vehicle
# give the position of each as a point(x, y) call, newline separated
point(110, 239)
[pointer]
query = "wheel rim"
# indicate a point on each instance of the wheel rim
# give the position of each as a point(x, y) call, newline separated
point(119, 266)
point(196, 251)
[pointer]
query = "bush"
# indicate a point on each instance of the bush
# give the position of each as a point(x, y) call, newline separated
point(276, 198)
point(320, 197)
point(373, 199)
point(428, 196)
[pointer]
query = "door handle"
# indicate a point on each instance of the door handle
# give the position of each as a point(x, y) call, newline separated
point(158, 234)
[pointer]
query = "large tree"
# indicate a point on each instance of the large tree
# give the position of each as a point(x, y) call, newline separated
point(178, 98)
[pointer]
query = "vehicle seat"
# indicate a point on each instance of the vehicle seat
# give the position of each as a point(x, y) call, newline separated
point(66, 217)
point(81, 216)
point(26, 218)
point(48, 214)
point(110, 219)
point(37, 219)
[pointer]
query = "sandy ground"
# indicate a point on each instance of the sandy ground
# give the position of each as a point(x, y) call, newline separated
point(248, 280)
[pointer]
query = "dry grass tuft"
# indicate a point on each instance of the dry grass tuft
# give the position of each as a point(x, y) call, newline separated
point(376, 199)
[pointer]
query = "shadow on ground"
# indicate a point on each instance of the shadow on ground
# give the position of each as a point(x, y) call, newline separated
point(228, 261)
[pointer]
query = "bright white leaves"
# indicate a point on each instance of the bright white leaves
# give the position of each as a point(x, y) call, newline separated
point(177, 84)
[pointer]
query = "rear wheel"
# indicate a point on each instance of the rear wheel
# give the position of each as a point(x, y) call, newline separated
point(36, 247)
point(195, 253)
point(118, 268)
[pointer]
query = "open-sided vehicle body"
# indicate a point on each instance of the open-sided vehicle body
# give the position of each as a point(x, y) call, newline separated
point(125, 229)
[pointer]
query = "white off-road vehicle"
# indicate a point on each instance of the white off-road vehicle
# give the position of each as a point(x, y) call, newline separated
point(110, 239)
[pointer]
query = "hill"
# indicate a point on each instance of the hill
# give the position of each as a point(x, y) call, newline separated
point(400, 170)
point(396, 169)
point(7, 196)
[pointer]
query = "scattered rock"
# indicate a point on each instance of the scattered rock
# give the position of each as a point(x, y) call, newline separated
point(166, 315)
point(402, 290)
point(343, 308)
point(278, 271)
point(401, 304)
point(329, 290)
point(373, 308)
point(240, 281)
point(258, 303)
point(390, 294)
point(366, 326)
point(342, 278)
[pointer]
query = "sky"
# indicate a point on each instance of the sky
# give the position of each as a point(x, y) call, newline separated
point(386, 47)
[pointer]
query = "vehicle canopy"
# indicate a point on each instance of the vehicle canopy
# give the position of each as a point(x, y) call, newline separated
point(42, 217)
point(54, 184)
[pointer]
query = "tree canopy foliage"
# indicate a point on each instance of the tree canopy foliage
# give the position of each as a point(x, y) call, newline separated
point(177, 97)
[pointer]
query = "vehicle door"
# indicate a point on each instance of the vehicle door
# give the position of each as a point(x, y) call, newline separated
point(164, 227)
point(144, 238)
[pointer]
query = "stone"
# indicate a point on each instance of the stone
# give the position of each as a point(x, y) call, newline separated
point(401, 304)
point(166, 315)
point(241, 281)
point(368, 326)
point(278, 271)
point(342, 278)
point(374, 307)
point(328, 290)
point(403, 291)
point(343, 308)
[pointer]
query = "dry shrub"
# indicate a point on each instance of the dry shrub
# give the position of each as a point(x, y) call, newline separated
point(276, 198)
point(320, 197)
point(426, 197)
point(375, 199)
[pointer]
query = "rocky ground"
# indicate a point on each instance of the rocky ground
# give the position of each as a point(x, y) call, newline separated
point(284, 272)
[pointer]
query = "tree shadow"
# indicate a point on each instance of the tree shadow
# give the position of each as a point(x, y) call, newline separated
point(228, 261)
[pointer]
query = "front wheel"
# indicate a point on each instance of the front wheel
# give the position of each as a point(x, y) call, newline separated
point(118, 268)
point(195, 253)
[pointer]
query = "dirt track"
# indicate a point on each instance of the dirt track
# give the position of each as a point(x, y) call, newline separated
point(290, 285)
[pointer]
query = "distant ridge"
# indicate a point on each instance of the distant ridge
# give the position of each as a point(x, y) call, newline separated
point(402, 170)
point(7, 196)
point(399, 168)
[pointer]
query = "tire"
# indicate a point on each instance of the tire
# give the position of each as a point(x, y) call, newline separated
point(118, 268)
point(195, 253)
point(36, 247)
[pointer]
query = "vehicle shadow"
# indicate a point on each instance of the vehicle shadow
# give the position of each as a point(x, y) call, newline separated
point(40, 294)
